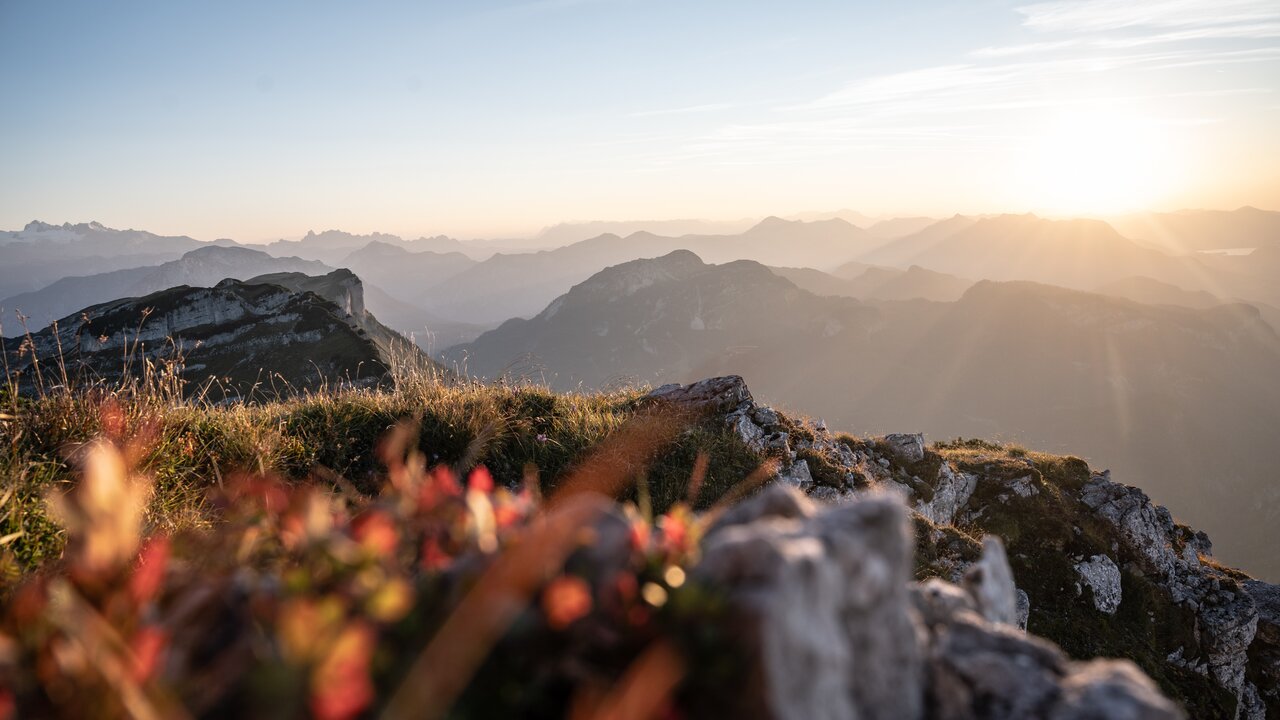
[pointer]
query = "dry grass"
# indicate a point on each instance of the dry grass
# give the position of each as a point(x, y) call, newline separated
point(164, 555)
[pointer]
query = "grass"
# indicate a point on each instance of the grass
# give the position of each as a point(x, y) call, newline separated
point(188, 444)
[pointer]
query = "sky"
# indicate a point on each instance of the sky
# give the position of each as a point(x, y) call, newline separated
point(262, 120)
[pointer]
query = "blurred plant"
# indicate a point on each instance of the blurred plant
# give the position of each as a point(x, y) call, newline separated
point(315, 598)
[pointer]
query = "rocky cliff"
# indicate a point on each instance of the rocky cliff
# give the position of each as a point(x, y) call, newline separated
point(282, 333)
point(1099, 568)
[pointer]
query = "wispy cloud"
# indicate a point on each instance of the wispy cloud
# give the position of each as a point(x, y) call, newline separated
point(951, 86)
point(1103, 47)
point(1024, 49)
point(1102, 15)
point(1255, 31)
point(708, 107)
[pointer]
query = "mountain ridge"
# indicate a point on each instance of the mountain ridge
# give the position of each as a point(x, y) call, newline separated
point(1146, 388)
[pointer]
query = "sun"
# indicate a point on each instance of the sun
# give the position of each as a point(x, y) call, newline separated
point(1098, 162)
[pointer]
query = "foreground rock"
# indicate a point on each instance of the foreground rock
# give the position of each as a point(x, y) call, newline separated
point(1098, 568)
point(822, 599)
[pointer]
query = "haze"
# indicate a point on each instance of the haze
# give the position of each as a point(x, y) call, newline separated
point(487, 119)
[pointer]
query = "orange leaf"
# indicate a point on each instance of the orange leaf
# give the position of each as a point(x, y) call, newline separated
point(566, 599)
point(340, 686)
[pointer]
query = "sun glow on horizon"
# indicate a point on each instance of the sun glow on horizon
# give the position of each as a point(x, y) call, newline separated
point(1100, 162)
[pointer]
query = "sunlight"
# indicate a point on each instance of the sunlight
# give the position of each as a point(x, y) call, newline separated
point(1098, 161)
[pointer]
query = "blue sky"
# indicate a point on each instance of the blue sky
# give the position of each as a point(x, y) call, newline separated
point(262, 120)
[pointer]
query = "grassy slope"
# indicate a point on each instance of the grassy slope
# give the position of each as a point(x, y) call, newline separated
point(330, 437)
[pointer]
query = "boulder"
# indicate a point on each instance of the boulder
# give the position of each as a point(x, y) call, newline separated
point(908, 447)
point(1101, 576)
point(1110, 689)
point(827, 604)
point(951, 491)
point(797, 474)
point(990, 582)
point(984, 670)
point(773, 501)
point(714, 395)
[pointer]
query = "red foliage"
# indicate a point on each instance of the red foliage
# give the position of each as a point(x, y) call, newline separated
point(340, 685)
point(148, 574)
point(565, 600)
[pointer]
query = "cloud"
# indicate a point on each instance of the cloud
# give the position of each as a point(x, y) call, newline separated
point(961, 108)
point(1102, 15)
point(1025, 49)
point(946, 87)
point(708, 107)
point(1111, 57)
point(1256, 31)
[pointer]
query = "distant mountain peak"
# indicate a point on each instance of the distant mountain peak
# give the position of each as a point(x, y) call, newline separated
point(773, 222)
point(629, 277)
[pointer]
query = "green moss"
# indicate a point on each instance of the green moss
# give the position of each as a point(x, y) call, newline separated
point(939, 547)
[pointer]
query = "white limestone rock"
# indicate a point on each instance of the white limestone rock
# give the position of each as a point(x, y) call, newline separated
point(1102, 576)
point(908, 447)
point(990, 582)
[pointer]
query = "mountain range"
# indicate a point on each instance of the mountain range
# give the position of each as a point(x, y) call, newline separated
point(42, 253)
point(331, 246)
point(1179, 399)
point(1201, 230)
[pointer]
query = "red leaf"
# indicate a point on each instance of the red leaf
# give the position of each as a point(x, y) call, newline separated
point(481, 480)
point(148, 574)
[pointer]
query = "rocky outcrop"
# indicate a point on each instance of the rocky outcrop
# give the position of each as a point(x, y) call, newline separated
point(990, 583)
point(822, 600)
point(1226, 615)
point(908, 447)
point(1189, 622)
point(951, 493)
point(1264, 653)
point(1142, 526)
point(716, 395)
point(1102, 577)
point(826, 596)
point(288, 332)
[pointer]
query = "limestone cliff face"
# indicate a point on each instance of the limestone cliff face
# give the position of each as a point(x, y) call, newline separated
point(288, 331)
point(1100, 569)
